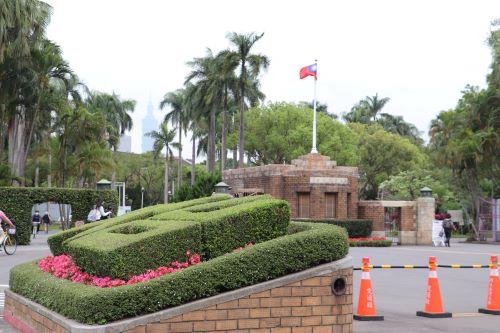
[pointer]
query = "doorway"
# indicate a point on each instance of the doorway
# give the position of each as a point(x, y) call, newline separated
point(392, 224)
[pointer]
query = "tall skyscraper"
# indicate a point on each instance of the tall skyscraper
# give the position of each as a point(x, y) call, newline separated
point(149, 123)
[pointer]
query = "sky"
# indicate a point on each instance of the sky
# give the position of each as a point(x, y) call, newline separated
point(421, 53)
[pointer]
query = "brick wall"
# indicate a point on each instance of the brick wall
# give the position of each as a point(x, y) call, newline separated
point(303, 306)
point(372, 210)
point(285, 181)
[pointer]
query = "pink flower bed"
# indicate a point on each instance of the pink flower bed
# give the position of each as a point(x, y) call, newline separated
point(64, 267)
point(367, 239)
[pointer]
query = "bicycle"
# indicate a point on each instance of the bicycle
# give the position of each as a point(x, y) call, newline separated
point(9, 240)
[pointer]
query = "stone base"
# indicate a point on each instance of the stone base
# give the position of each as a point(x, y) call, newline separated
point(433, 315)
point(368, 318)
point(302, 301)
point(488, 311)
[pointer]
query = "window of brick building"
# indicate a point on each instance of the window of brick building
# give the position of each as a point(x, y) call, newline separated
point(303, 206)
point(349, 205)
point(331, 205)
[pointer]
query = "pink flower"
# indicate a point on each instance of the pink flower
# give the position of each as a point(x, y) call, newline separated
point(64, 267)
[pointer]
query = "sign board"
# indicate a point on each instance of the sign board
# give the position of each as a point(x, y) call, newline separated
point(437, 233)
point(79, 224)
point(329, 180)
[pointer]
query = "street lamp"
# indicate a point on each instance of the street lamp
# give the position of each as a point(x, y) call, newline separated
point(142, 197)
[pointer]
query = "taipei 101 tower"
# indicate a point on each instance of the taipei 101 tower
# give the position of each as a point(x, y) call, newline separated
point(149, 123)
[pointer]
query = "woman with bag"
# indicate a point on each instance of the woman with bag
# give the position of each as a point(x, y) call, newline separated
point(448, 228)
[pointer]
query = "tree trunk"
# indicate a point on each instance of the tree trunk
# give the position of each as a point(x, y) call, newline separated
point(165, 187)
point(37, 172)
point(235, 157)
point(113, 174)
point(241, 140)
point(193, 162)
point(211, 143)
point(16, 130)
point(223, 157)
point(179, 171)
point(49, 176)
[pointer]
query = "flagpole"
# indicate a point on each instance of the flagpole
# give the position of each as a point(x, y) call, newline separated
point(314, 150)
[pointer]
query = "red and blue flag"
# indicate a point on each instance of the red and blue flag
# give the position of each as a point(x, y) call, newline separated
point(310, 70)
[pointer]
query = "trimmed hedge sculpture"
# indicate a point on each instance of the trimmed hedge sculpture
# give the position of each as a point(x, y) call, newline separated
point(355, 228)
point(213, 226)
point(17, 203)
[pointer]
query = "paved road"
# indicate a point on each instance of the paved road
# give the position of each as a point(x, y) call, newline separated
point(37, 249)
point(400, 293)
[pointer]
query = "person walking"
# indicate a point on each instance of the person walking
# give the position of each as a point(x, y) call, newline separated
point(46, 221)
point(35, 221)
point(448, 228)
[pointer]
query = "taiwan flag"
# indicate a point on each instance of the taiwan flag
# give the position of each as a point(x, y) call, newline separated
point(308, 71)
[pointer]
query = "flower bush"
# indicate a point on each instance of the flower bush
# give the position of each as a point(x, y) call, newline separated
point(64, 267)
point(369, 241)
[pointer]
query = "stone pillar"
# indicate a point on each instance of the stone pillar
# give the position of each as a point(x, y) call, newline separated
point(425, 214)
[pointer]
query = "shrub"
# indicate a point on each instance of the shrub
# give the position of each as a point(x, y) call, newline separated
point(317, 244)
point(355, 228)
point(370, 242)
point(17, 203)
point(164, 232)
point(203, 186)
point(56, 242)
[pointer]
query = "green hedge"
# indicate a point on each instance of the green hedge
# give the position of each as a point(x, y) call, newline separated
point(204, 226)
point(355, 228)
point(371, 243)
point(17, 203)
point(57, 242)
point(317, 244)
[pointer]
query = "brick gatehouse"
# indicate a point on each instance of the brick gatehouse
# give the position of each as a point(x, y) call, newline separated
point(318, 188)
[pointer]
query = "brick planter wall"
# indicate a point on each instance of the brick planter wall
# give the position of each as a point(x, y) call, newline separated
point(302, 302)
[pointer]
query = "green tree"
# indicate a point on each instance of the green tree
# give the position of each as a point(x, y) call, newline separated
point(205, 98)
point(383, 154)
point(178, 115)
point(281, 132)
point(406, 185)
point(117, 114)
point(368, 111)
point(164, 138)
point(250, 65)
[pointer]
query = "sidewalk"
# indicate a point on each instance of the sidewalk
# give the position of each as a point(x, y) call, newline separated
point(37, 249)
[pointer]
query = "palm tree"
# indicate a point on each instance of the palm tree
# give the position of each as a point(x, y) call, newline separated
point(22, 28)
point(250, 66)
point(226, 63)
point(373, 105)
point(205, 98)
point(116, 111)
point(164, 138)
point(179, 115)
point(22, 23)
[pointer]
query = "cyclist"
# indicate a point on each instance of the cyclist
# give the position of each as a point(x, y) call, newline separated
point(7, 239)
point(5, 219)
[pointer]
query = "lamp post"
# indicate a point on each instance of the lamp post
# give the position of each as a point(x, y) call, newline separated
point(222, 188)
point(142, 197)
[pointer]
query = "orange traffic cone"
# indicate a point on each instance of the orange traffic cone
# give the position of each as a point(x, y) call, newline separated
point(433, 303)
point(366, 301)
point(493, 300)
